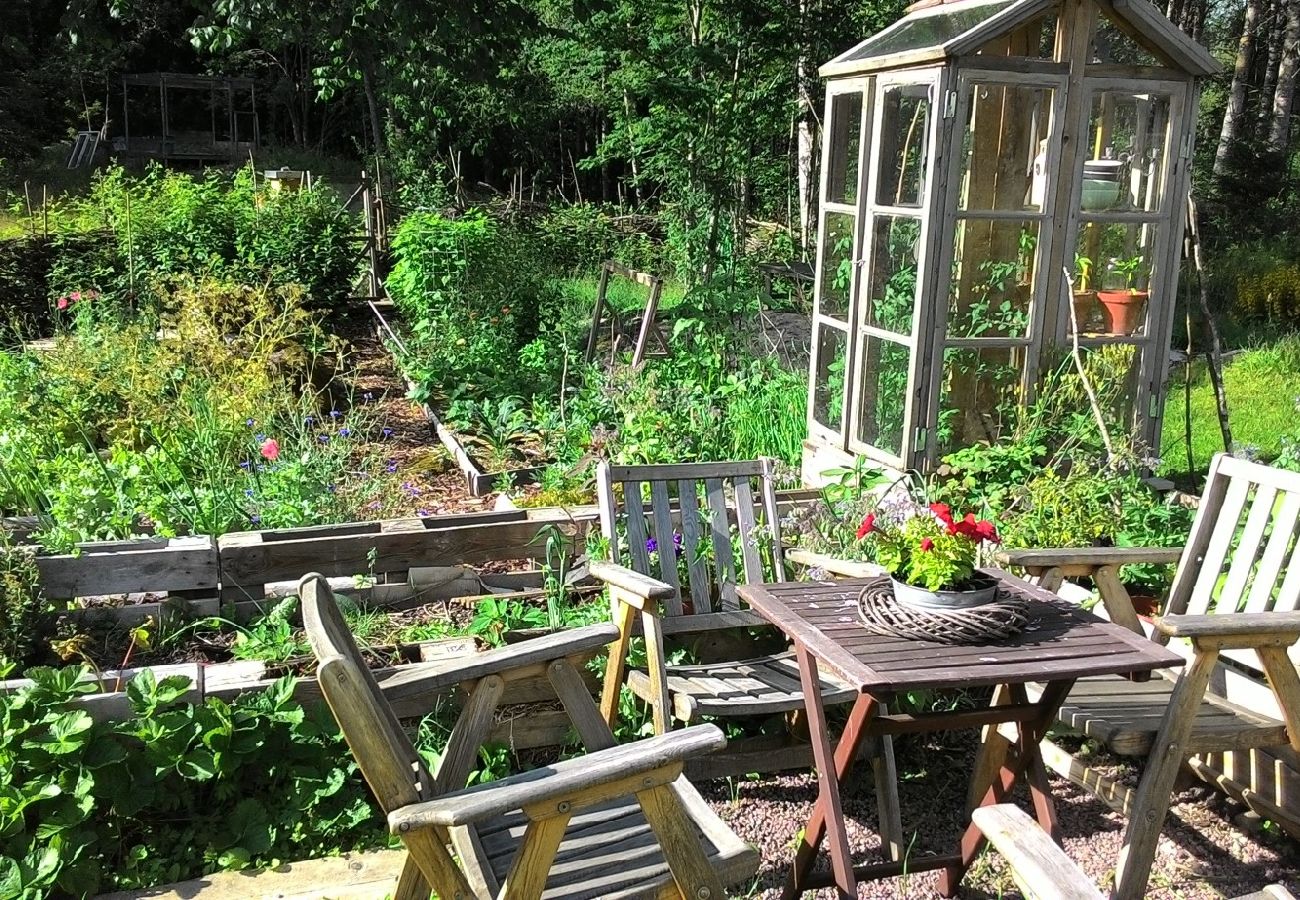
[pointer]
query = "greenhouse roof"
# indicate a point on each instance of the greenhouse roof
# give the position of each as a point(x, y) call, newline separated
point(932, 32)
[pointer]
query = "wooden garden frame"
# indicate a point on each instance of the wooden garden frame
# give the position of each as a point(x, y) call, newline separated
point(649, 327)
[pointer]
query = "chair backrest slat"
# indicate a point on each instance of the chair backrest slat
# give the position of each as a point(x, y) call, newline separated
point(697, 569)
point(662, 514)
point(636, 530)
point(1282, 540)
point(391, 767)
point(694, 497)
point(724, 561)
point(1243, 554)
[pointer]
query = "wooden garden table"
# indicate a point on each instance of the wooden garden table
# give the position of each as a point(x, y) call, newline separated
point(1061, 644)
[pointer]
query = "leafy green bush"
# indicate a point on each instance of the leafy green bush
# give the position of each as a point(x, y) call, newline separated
point(174, 791)
point(577, 238)
point(22, 606)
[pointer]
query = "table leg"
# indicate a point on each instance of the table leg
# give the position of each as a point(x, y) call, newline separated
point(827, 818)
point(1026, 759)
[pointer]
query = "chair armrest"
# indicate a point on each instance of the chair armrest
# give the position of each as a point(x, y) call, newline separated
point(1050, 557)
point(1234, 625)
point(447, 674)
point(633, 582)
point(1039, 866)
point(558, 781)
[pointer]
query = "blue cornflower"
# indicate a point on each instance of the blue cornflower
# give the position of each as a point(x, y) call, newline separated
point(391, 467)
point(248, 492)
point(260, 438)
point(245, 464)
point(323, 438)
point(251, 422)
point(345, 431)
point(254, 518)
point(334, 413)
point(387, 432)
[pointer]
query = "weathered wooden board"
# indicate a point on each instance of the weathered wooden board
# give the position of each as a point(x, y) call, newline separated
point(125, 567)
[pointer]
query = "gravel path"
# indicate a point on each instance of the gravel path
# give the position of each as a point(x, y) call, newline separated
point(1201, 853)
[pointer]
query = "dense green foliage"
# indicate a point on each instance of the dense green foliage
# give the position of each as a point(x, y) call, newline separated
point(175, 790)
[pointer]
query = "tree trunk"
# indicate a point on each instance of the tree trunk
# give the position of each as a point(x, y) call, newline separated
point(804, 149)
point(372, 104)
point(1272, 30)
point(1284, 94)
point(1235, 113)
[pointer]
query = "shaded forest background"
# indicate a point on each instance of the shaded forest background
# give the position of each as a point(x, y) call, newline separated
point(703, 110)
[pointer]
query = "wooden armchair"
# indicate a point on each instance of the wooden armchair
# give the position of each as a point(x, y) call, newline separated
point(619, 822)
point(679, 576)
point(1234, 612)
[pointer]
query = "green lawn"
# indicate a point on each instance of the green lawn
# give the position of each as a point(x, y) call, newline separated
point(1263, 389)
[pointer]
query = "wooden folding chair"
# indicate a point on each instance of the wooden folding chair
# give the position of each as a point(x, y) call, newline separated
point(618, 822)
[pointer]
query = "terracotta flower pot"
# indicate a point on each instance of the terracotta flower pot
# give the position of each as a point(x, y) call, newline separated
point(1085, 306)
point(1124, 309)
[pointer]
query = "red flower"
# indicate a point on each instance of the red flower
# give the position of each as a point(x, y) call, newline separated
point(966, 527)
point(927, 544)
point(868, 525)
point(987, 531)
point(271, 449)
point(942, 511)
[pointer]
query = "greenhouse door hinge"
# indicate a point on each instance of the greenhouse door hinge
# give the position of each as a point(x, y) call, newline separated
point(949, 104)
point(1185, 151)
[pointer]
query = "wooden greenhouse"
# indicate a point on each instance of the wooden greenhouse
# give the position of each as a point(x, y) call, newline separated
point(994, 172)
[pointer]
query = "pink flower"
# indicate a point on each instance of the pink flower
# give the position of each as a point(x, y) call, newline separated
point(271, 449)
point(927, 544)
point(868, 525)
point(76, 295)
point(63, 303)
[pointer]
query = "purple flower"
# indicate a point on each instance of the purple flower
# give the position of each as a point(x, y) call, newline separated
point(651, 545)
point(677, 540)
point(323, 438)
point(245, 464)
point(345, 431)
point(309, 420)
point(334, 413)
point(391, 467)
point(254, 518)
point(387, 432)
point(251, 422)
point(422, 513)
point(248, 492)
point(260, 438)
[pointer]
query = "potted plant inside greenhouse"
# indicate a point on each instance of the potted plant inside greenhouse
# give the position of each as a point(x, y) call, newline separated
point(1124, 302)
point(1085, 297)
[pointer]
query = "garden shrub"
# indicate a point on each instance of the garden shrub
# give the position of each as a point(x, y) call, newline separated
point(577, 238)
point(22, 605)
point(1272, 296)
point(175, 791)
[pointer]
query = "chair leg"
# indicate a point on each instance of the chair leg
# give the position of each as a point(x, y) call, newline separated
point(1133, 869)
point(679, 840)
point(886, 778)
point(528, 873)
point(657, 666)
point(616, 667)
point(428, 850)
point(411, 884)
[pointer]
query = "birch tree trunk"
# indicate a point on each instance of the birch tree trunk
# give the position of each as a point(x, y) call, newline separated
point(1271, 30)
point(1287, 68)
point(1235, 113)
point(804, 133)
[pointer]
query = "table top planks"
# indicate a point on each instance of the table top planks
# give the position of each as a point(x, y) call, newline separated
point(1061, 642)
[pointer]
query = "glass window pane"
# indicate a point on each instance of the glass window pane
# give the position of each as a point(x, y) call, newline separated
point(1113, 262)
point(1004, 165)
point(980, 397)
point(1110, 45)
point(882, 393)
point(926, 29)
point(828, 379)
point(1127, 134)
point(836, 272)
point(993, 275)
point(1113, 372)
point(902, 144)
point(895, 251)
point(842, 146)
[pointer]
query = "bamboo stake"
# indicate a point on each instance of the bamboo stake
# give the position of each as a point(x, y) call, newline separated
point(1215, 354)
point(1077, 353)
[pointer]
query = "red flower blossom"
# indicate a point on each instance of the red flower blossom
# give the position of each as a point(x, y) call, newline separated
point(987, 531)
point(868, 525)
point(927, 544)
point(271, 449)
point(943, 511)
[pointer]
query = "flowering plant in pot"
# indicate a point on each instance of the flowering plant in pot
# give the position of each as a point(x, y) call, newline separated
point(930, 554)
point(1125, 306)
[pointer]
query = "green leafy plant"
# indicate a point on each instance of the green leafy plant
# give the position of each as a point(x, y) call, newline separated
point(22, 604)
point(926, 546)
